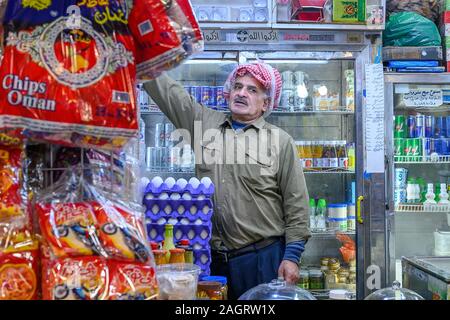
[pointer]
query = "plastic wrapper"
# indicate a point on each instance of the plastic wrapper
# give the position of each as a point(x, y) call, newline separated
point(409, 29)
point(19, 277)
point(68, 75)
point(430, 9)
point(348, 249)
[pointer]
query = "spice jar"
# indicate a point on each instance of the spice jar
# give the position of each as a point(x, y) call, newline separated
point(160, 256)
point(222, 280)
point(334, 264)
point(210, 290)
point(324, 264)
point(176, 255)
point(315, 279)
point(343, 275)
point(303, 280)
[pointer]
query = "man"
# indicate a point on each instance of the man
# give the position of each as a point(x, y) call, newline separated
point(260, 221)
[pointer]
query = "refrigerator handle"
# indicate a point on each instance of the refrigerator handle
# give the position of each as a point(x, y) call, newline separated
point(358, 209)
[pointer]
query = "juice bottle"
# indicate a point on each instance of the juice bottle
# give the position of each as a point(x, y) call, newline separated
point(317, 149)
point(308, 154)
point(168, 240)
point(301, 151)
point(334, 160)
point(326, 150)
point(351, 156)
point(342, 155)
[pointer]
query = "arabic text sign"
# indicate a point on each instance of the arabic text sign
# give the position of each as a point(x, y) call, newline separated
point(423, 98)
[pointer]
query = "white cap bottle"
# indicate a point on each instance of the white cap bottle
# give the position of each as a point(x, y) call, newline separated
point(443, 195)
point(430, 195)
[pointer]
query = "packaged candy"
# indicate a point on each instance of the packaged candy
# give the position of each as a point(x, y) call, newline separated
point(132, 281)
point(19, 273)
point(82, 278)
point(68, 73)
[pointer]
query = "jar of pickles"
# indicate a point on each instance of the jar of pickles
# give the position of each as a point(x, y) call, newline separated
point(209, 290)
point(324, 264)
point(303, 280)
point(315, 279)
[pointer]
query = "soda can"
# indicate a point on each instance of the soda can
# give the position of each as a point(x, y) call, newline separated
point(439, 127)
point(287, 100)
point(427, 146)
point(429, 126)
point(164, 158)
point(438, 147)
point(401, 177)
point(419, 131)
point(220, 98)
point(196, 92)
point(416, 149)
point(159, 135)
point(174, 159)
point(447, 126)
point(411, 124)
point(408, 147)
point(168, 129)
point(445, 146)
point(288, 80)
point(399, 149)
point(399, 196)
point(207, 93)
point(399, 126)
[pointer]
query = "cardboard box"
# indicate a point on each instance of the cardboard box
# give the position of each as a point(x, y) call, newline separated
point(412, 53)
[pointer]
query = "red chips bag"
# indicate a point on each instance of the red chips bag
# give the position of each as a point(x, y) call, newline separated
point(132, 281)
point(82, 278)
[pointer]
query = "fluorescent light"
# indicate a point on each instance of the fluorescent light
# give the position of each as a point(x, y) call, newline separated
point(217, 61)
point(297, 61)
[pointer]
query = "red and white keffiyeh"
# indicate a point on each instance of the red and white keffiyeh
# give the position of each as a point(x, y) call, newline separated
point(265, 74)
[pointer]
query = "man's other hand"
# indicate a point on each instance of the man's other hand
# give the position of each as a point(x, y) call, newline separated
point(289, 271)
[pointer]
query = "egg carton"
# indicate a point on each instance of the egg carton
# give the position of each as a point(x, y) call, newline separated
point(155, 232)
point(180, 206)
point(194, 233)
point(183, 195)
point(202, 258)
point(195, 187)
point(175, 219)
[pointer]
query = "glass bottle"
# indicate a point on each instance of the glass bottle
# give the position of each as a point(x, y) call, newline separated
point(168, 240)
point(342, 155)
point(188, 252)
point(333, 156)
point(176, 255)
point(321, 213)
point(308, 155)
point(326, 154)
point(160, 256)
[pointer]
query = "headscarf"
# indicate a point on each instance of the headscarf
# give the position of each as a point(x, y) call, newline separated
point(265, 74)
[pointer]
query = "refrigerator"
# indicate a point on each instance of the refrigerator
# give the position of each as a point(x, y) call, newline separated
point(325, 104)
point(418, 157)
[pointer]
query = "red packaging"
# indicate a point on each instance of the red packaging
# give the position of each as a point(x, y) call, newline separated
point(70, 229)
point(19, 274)
point(82, 278)
point(122, 235)
point(132, 281)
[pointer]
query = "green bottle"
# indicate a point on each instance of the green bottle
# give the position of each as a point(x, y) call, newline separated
point(423, 189)
point(437, 191)
point(312, 214)
point(321, 215)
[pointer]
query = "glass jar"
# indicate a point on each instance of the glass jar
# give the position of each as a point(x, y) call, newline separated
point(315, 279)
point(352, 265)
point(222, 280)
point(334, 264)
point(176, 256)
point(352, 278)
point(160, 256)
point(324, 264)
point(210, 290)
point(343, 275)
point(303, 280)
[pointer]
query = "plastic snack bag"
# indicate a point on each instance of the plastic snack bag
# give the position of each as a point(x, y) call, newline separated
point(348, 249)
point(82, 278)
point(19, 273)
point(132, 282)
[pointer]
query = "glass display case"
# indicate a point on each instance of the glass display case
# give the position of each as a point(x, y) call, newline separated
point(318, 109)
point(418, 175)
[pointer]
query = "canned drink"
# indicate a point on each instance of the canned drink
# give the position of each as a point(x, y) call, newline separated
point(401, 177)
point(445, 142)
point(196, 92)
point(427, 146)
point(408, 147)
point(399, 196)
point(419, 131)
point(447, 126)
point(174, 159)
point(288, 80)
point(438, 146)
point(287, 100)
point(411, 124)
point(439, 127)
point(220, 98)
point(168, 129)
point(399, 149)
point(159, 135)
point(399, 126)
point(429, 126)
point(416, 149)
point(207, 94)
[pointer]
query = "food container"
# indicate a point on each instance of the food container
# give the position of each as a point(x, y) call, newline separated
point(396, 292)
point(316, 279)
point(177, 281)
point(303, 280)
point(277, 290)
point(337, 216)
point(209, 290)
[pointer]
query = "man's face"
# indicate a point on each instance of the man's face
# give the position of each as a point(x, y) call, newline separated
point(248, 99)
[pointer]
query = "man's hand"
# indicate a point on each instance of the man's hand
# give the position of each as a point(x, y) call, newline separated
point(289, 271)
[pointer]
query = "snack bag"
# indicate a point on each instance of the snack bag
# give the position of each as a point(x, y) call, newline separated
point(348, 249)
point(70, 229)
point(122, 234)
point(82, 278)
point(19, 273)
point(132, 281)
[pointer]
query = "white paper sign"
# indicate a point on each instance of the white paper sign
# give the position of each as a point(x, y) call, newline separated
point(374, 118)
point(423, 98)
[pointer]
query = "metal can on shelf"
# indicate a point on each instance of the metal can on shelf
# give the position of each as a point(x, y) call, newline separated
point(207, 93)
point(159, 135)
point(401, 176)
point(411, 125)
point(288, 80)
point(399, 148)
point(416, 149)
point(420, 126)
point(399, 126)
point(429, 126)
point(196, 92)
point(220, 97)
point(427, 146)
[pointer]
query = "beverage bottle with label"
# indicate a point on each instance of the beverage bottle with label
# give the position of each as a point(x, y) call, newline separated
point(430, 195)
point(437, 189)
point(443, 195)
point(317, 151)
point(308, 154)
point(410, 191)
point(301, 151)
point(168, 240)
point(312, 214)
point(417, 192)
point(351, 156)
point(325, 162)
point(342, 154)
point(333, 159)
point(321, 214)
point(423, 189)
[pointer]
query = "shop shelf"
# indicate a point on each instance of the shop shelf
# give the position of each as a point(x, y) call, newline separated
point(327, 171)
point(327, 26)
point(435, 159)
point(330, 234)
point(428, 208)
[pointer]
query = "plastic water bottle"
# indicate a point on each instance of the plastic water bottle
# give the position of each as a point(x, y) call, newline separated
point(430, 195)
point(312, 214)
point(321, 215)
point(411, 191)
point(443, 195)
